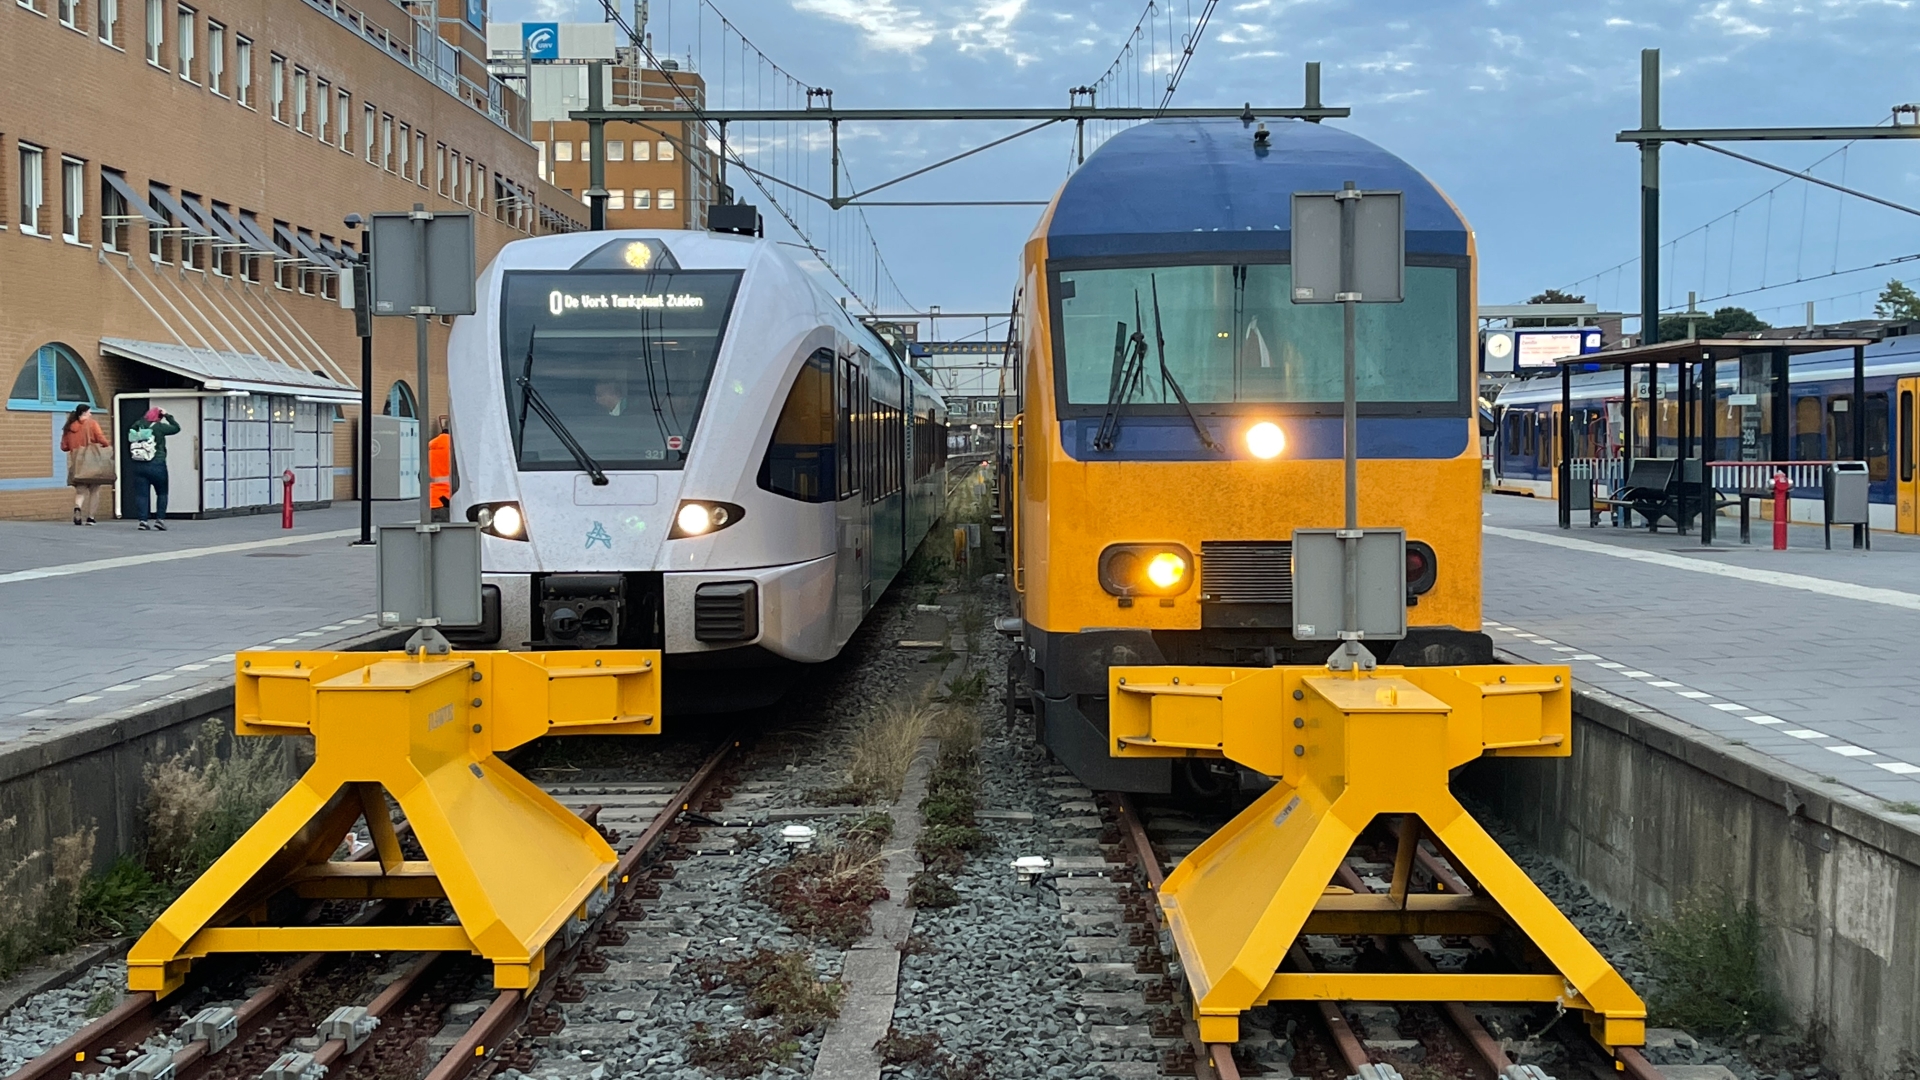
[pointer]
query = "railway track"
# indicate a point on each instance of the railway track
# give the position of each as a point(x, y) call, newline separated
point(1469, 1040)
point(397, 1021)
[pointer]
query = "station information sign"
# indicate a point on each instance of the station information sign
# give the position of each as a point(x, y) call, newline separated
point(1506, 351)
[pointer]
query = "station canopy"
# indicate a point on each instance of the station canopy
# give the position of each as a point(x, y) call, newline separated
point(217, 369)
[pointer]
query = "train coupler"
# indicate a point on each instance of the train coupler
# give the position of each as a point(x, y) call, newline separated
point(1344, 749)
point(426, 731)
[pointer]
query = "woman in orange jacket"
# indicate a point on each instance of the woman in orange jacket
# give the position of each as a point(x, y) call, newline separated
point(82, 429)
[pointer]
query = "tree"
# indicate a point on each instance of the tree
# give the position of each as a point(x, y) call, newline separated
point(1555, 296)
point(1724, 322)
point(1551, 296)
point(1898, 302)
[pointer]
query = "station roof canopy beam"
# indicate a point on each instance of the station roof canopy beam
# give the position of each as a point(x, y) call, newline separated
point(222, 370)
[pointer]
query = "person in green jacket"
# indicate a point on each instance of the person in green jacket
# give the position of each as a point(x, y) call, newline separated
point(147, 445)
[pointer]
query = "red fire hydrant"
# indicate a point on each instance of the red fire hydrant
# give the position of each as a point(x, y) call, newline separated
point(286, 504)
point(1780, 511)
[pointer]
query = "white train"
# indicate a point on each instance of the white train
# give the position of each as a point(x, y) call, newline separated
point(677, 440)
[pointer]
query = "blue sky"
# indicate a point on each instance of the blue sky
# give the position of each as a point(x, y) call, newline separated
point(1511, 107)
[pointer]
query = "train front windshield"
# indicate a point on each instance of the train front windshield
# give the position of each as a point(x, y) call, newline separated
point(1234, 336)
point(622, 359)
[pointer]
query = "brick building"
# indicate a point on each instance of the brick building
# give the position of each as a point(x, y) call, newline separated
point(175, 174)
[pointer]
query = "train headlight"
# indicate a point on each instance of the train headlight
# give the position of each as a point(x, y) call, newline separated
point(1266, 440)
point(1146, 569)
point(1422, 568)
point(502, 519)
point(698, 517)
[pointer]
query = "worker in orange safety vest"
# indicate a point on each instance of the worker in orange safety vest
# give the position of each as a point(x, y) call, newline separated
point(440, 472)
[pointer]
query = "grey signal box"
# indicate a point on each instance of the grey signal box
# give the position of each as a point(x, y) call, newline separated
point(400, 241)
point(1319, 598)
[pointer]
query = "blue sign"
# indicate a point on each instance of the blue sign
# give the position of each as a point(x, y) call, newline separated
point(541, 40)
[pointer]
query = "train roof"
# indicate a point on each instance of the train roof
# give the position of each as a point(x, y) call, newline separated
point(1200, 185)
point(1892, 356)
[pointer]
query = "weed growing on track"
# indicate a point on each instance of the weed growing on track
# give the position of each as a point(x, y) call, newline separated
point(1711, 976)
point(871, 830)
point(882, 753)
point(897, 1049)
point(929, 890)
point(950, 834)
point(966, 690)
point(782, 987)
point(824, 894)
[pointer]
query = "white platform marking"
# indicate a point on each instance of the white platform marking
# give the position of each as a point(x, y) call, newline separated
point(41, 572)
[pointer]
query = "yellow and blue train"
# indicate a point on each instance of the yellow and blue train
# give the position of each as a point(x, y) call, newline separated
point(1180, 416)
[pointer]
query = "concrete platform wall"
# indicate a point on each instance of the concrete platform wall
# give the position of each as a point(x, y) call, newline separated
point(1650, 810)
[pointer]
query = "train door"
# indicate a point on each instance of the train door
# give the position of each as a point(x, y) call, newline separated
point(1907, 513)
point(850, 507)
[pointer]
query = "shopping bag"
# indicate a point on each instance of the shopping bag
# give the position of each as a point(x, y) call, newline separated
point(90, 465)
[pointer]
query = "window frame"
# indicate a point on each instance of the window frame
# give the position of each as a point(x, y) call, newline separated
point(68, 12)
point(29, 211)
point(419, 158)
point(665, 151)
point(217, 57)
point(666, 199)
point(156, 43)
point(55, 404)
point(185, 22)
point(106, 16)
point(302, 98)
point(277, 87)
point(73, 198)
point(243, 71)
point(116, 235)
point(386, 142)
point(323, 111)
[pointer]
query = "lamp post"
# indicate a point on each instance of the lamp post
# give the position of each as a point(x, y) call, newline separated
point(363, 328)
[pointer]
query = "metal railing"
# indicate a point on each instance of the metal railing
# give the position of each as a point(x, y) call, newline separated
point(1758, 475)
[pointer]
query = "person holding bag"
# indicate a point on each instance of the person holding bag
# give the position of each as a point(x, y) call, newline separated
point(89, 461)
point(147, 446)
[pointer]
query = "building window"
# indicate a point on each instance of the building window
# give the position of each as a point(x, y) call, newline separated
point(420, 158)
point(249, 264)
point(159, 237)
point(73, 197)
point(466, 182)
point(540, 152)
point(53, 380)
point(616, 199)
point(440, 167)
point(156, 30)
point(399, 400)
point(406, 143)
point(70, 13)
point(345, 112)
point(642, 150)
point(193, 251)
point(216, 57)
point(479, 188)
point(224, 258)
point(183, 39)
point(563, 151)
point(323, 110)
point(666, 198)
point(617, 150)
point(642, 199)
point(666, 151)
point(386, 142)
point(286, 268)
point(586, 150)
point(116, 222)
point(309, 274)
point(107, 15)
point(33, 164)
point(243, 71)
point(277, 87)
point(366, 132)
point(300, 99)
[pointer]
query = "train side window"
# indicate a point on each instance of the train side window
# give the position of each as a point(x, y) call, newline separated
point(1839, 424)
point(1906, 435)
point(1876, 421)
point(844, 431)
point(1806, 430)
point(800, 457)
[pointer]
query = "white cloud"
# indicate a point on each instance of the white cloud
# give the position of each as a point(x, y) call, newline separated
point(1724, 17)
point(985, 26)
point(882, 23)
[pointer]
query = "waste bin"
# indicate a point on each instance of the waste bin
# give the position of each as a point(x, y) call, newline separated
point(1846, 491)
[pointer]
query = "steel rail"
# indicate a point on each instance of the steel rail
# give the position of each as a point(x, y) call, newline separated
point(1211, 1059)
point(494, 1027)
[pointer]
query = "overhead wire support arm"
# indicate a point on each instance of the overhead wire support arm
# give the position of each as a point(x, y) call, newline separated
point(1808, 177)
point(834, 115)
point(1791, 134)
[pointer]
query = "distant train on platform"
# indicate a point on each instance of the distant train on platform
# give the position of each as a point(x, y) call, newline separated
point(1181, 416)
point(679, 441)
point(1821, 417)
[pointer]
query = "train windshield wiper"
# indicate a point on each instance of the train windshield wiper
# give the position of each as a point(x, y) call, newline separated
point(530, 397)
point(1166, 376)
point(1127, 366)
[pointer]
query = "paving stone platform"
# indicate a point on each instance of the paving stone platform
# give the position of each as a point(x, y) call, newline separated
point(1808, 655)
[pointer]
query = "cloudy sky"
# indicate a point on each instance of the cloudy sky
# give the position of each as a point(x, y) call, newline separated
point(1511, 107)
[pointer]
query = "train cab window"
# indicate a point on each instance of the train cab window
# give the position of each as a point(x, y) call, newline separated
point(1906, 435)
point(800, 458)
point(621, 357)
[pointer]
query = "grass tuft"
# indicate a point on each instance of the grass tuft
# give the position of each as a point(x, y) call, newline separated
point(1707, 958)
point(824, 894)
point(897, 1049)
